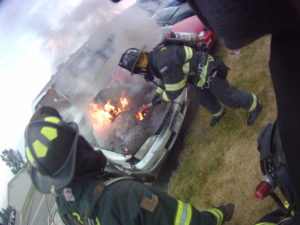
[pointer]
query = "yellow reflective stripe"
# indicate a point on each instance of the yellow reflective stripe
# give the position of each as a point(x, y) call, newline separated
point(189, 215)
point(287, 206)
point(40, 149)
point(188, 53)
point(97, 221)
point(177, 86)
point(29, 156)
point(217, 213)
point(186, 68)
point(179, 212)
point(203, 74)
point(52, 119)
point(218, 113)
point(183, 214)
point(165, 97)
point(49, 132)
point(254, 104)
point(159, 90)
point(75, 214)
point(265, 223)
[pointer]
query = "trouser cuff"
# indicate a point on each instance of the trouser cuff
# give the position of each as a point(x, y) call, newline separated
point(254, 103)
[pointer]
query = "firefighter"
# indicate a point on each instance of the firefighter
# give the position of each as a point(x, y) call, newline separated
point(176, 65)
point(240, 22)
point(62, 162)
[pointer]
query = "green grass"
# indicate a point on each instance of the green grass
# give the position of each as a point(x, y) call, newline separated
point(221, 164)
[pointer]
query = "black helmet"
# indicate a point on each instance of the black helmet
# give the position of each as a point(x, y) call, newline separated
point(129, 59)
point(50, 146)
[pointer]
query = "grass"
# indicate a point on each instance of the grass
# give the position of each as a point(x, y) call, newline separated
point(221, 164)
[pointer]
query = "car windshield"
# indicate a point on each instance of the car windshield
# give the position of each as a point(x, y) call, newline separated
point(166, 14)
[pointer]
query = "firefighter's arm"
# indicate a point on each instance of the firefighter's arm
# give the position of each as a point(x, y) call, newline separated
point(174, 83)
point(175, 74)
point(134, 203)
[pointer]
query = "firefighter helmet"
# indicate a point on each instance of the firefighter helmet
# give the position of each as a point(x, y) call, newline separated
point(50, 146)
point(129, 59)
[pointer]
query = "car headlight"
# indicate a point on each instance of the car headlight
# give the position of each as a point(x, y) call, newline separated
point(145, 147)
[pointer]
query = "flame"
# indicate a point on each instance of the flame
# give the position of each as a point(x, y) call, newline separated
point(102, 116)
point(139, 116)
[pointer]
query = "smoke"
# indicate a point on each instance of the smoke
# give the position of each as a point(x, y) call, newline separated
point(91, 67)
point(71, 30)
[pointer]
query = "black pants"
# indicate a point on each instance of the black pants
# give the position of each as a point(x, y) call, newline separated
point(273, 217)
point(220, 91)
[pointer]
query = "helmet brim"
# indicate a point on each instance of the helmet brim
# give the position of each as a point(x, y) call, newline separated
point(63, 177)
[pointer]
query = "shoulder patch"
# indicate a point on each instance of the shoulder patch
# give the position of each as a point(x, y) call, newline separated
point(163, 69)
point(68, 195)
point(149, 201)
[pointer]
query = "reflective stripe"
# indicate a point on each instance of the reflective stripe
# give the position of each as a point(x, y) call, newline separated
point(49, 132)
point(188, 53)
point(203, 73)
point(218, 113)
point(52, 119)
point(183, 214)
point(254, 104)
point(287, 206)
point(159, 90)
point(40, 149)
point(165, 97)
point(186, 68)
point(177, 86)
point(217, 213)
point(97, 221)
point(29, 156)
point(265, 223)
point(75, 214)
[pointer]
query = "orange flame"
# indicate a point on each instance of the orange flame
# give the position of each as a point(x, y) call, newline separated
point(102, 116)
point(139, 116)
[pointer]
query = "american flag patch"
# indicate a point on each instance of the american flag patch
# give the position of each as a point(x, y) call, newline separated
point(149, 201)
point(68, 194)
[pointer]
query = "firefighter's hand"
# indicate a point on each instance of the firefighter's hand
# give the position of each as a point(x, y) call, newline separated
point(148, 77)
point(156, 100)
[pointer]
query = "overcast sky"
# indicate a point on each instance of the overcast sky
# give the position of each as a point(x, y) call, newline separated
point(36, 36)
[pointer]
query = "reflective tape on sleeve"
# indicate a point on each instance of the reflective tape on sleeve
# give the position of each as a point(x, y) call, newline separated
point(183, 213)
point(165, 97)
point(218, 214)
point(159, 90)
point(188, 53)
point(176, 86)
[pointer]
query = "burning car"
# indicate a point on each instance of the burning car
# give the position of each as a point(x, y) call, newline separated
point(134, 137)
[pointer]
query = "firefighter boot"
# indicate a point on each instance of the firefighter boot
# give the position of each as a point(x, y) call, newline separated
point(216, 119)
point(254, 113)
point(227, 210)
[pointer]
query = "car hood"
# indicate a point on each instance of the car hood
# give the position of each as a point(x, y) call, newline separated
point(126, 134)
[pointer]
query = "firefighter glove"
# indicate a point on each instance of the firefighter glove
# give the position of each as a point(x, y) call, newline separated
point(156, 100)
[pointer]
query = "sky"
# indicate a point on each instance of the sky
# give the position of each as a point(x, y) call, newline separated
point(36, 36)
